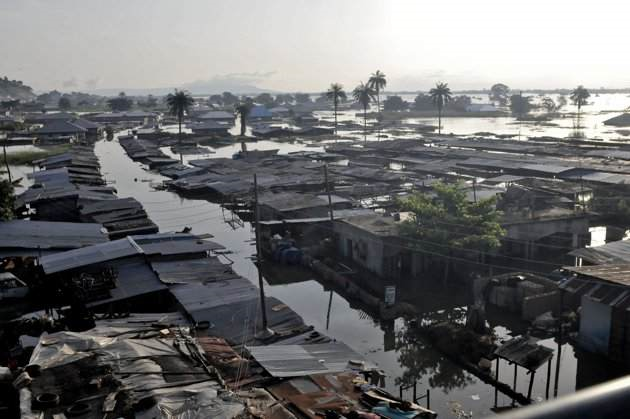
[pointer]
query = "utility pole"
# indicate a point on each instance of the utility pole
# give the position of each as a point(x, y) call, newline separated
point(265, 332)
point(330, 207)
point(475, 189)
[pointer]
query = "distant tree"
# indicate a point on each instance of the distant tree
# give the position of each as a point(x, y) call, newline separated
point(335, 93)
point(440, 96)
point(561, 102)
point(284, 99)
point(302, 98)
point(364, 94)
point(64, 103)
point(215, 100)
point(265, 99)
point(579, 97)
point(449, 223)
point(242, 110)
point(178, 105)
point(120, 103)
point(377, 82)
point(10, 105)
point(520, 105)
point(549, 105)
point(422, 102)
point(7, 200)
point(229, 99)
point(394, 103)
point(499, 93)
point(323, 98)
point(151, 101)
point(459, 103)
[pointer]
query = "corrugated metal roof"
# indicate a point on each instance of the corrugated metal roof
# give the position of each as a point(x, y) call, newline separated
point(613, 252)
point(89, 255)
point(547, 168)
point(195, 270)
point(233, 309)
point(134, 278)
point(49, 235)
point(300, 360)
point(524, 352)
point(618, 273)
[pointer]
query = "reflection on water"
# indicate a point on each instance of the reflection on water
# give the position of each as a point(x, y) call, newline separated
point(385, 343)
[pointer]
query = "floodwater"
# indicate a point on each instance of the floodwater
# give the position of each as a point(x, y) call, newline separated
point(600, 108)
point(326, 310)
point(329, 312)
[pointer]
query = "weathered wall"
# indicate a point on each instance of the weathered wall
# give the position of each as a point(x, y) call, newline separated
point(595, 319)
point(367, 248)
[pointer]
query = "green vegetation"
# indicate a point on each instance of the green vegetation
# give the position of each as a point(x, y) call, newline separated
point(7, 199)
point(120, 103)
point(378, 82)
point(20, 158)
point(394, 103)
point(178, 104)
point(579, 97)
point(448, 223)
point(364, 94)
point(520, 105)
point(440, 96)
point(499, 94)
point(242, 110)
point(15, 89)
point(335, 93)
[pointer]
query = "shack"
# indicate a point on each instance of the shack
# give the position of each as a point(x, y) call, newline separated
point(210, 127)
point(603, 293)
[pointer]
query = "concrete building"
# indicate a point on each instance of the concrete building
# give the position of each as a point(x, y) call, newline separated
point(373, 242)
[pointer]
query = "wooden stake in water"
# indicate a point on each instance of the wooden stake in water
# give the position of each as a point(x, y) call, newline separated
point(259, 256)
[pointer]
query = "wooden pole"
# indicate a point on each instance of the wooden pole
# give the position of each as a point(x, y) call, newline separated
point(548, 379)
point(496, 388)
point(531, 383)
point(259, 256)
point(330, 207)
point(514, 385)
point(329, 309)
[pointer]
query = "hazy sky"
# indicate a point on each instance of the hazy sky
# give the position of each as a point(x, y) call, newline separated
point(304, 45)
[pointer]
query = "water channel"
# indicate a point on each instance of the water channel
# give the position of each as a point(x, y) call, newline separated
point(450, 385)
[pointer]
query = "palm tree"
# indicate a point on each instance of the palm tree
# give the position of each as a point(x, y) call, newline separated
point(178, 105)
point(440, 95)
point(242, 110)
point(335, 93)
point(364, 94)
point(579, 97)
point(378, 82)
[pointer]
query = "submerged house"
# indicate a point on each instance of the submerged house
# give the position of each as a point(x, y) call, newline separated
point(61, 130)
point(215, 116)
point(373, 243)
point(126, 118)
point(210, 127)
point(603, 294)
point(259, 112)
point(291, 205)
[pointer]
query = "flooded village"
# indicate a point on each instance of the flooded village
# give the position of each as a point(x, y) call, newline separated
point(381, 248)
